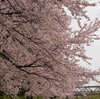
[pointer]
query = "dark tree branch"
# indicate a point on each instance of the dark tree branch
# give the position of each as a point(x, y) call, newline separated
point(10, 13)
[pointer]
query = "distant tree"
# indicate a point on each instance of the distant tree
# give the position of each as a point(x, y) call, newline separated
point(38, 49)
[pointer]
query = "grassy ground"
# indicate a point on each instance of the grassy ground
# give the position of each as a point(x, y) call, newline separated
point(21, 97)
point(89, 97)
point(40, 97)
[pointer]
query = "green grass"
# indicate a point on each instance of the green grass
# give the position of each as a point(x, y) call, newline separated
point(88, 97)
point(17, 97)
point(11, 97)
point(40, 97)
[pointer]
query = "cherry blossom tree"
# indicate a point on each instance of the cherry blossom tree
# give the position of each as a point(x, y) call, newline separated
point(39, 51)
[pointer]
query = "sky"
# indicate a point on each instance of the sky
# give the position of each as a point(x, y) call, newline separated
point(92, 51)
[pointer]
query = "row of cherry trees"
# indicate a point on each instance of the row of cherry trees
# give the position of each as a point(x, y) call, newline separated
point(39, 52)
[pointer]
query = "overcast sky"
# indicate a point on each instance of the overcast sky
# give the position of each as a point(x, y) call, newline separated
point(93, 50)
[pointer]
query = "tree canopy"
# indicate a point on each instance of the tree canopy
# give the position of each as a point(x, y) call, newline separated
point(39, 51)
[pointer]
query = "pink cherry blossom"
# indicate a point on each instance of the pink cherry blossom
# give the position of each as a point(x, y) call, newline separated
point(39, 51)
